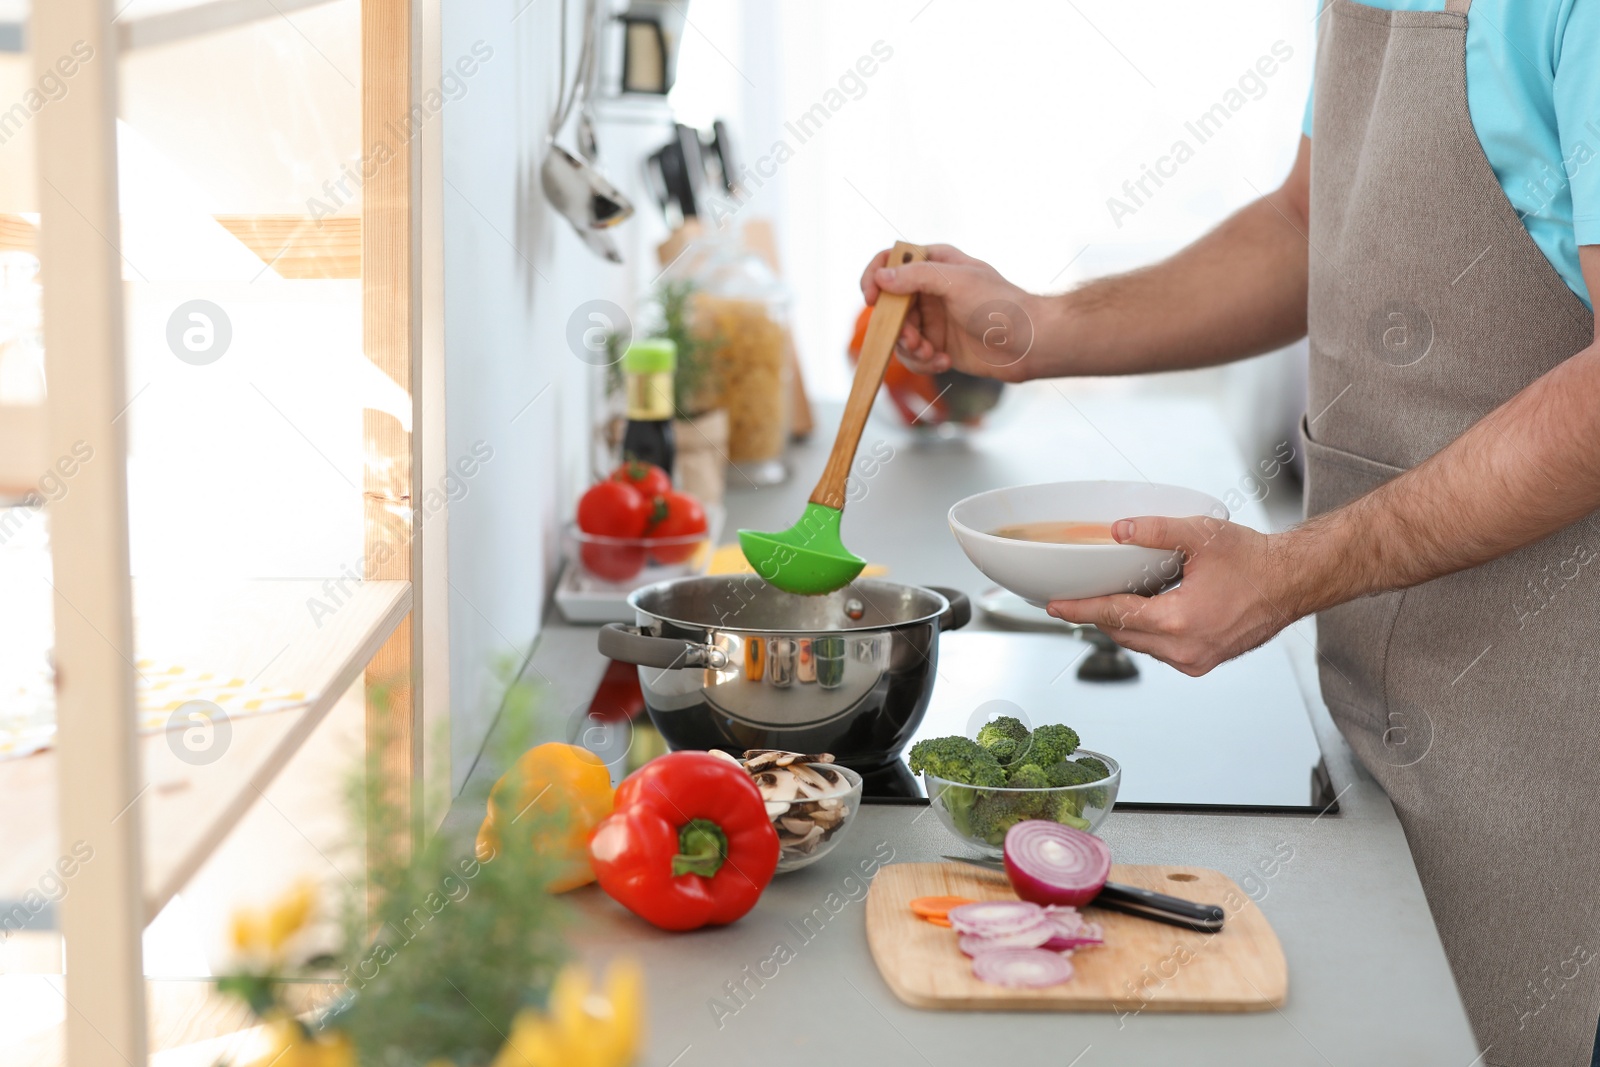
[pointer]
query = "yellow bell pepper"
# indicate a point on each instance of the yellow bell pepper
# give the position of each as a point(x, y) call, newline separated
point(558, 794)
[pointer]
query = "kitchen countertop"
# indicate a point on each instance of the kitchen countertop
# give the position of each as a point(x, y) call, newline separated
point(1368, 980)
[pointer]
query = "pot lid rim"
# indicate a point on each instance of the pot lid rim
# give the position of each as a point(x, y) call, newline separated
point(875, 627)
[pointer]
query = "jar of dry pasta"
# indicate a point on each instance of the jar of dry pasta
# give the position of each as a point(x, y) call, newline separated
point(742, 311)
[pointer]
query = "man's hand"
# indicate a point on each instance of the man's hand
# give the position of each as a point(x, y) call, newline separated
point(1235, 594)
point(1238, 291)
point(966, 317)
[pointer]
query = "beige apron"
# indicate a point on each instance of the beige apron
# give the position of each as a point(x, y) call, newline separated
point(1472, 698)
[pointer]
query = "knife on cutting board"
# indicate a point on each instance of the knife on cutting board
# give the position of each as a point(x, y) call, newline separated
point(1131, 900)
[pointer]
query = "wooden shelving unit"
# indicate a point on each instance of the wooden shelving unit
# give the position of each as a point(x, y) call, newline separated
point(152, 813)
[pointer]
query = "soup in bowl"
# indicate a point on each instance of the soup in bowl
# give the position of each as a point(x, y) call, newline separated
point(1053, 541)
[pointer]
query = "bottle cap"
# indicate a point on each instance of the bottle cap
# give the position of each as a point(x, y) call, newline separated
point(658, 355)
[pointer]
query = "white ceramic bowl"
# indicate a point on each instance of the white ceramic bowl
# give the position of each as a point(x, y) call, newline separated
point(1040, 572)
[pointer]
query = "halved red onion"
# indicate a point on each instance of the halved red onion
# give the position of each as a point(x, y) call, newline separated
point(996, 918)
point(1053, 864)
point(1021, 968)
point(1032, 937)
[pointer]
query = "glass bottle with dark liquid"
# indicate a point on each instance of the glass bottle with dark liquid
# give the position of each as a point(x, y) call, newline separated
point(647, 367)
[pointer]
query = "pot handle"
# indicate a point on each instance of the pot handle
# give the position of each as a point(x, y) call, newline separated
point(630, 645)
point(960, 612)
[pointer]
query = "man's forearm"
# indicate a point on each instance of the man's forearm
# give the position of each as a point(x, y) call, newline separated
point(1525, 470)
point(1237, 292)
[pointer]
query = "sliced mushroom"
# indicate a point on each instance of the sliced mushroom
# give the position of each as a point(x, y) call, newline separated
point(798, 827)
point(827, 818)
point(811, 840)
point(782, 787)
point(809, 777)
point(760, 761)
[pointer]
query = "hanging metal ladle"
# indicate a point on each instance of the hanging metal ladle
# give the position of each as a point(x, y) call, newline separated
point(573, 184)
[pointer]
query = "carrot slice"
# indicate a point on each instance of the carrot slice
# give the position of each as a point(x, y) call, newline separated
point(937, 907)
point(935, 920)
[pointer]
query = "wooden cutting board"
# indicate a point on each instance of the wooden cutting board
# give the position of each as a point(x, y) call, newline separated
point(1143, 966)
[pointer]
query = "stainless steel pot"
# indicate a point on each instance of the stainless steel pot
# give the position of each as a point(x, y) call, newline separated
point(734, 663)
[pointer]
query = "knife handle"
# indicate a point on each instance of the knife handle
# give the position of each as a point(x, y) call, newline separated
point(1147, 903)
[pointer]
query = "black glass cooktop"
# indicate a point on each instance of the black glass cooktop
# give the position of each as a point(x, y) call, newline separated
point(1237, 739)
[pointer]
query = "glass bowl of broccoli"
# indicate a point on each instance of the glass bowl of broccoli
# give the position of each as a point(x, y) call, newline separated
point(981, 788)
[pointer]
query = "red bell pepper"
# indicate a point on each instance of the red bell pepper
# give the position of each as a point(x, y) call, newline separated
point(689, 843)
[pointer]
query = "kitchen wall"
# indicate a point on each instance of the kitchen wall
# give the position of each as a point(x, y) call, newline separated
point(514, 275)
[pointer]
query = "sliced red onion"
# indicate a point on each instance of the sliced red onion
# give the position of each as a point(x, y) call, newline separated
point(1053, 864)
point(996, 918)
point(1021, 968)
point(1069, 923)
point(1065, 944)
point(1032, 937)
point(1070, 931)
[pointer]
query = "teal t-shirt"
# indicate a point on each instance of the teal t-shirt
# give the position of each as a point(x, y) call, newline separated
point(1533, 90)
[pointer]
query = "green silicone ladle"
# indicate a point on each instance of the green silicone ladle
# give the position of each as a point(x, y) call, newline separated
point(809, 557)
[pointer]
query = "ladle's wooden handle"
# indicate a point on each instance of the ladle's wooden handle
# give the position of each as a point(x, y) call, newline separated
point(888, 316)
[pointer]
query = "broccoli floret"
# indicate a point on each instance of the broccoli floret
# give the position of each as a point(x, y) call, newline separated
point(1006, 751)
point(1084, 771)
point(1068, 772)
point(1098, 766)
point(956, 759)
point(1051, 744)
point(1067, 807)
point(1027, 776)
point(995, 813)
point(1004, 728)
point(1070, 806)
point(1066, 814)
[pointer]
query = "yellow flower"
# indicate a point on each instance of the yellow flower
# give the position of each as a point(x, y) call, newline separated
point(582, 1027)
point(291, 1046)
point(266, 933)
point(289, 915)
point(246, 929)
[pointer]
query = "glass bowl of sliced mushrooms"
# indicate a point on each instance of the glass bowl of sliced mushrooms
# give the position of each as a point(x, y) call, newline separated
point(810, 798)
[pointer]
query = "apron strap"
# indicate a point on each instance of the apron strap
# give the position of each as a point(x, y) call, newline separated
point(1457, 7)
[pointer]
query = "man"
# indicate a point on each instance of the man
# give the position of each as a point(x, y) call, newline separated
point(1439, 241)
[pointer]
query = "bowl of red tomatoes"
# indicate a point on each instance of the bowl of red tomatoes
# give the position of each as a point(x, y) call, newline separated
point(634, 527)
